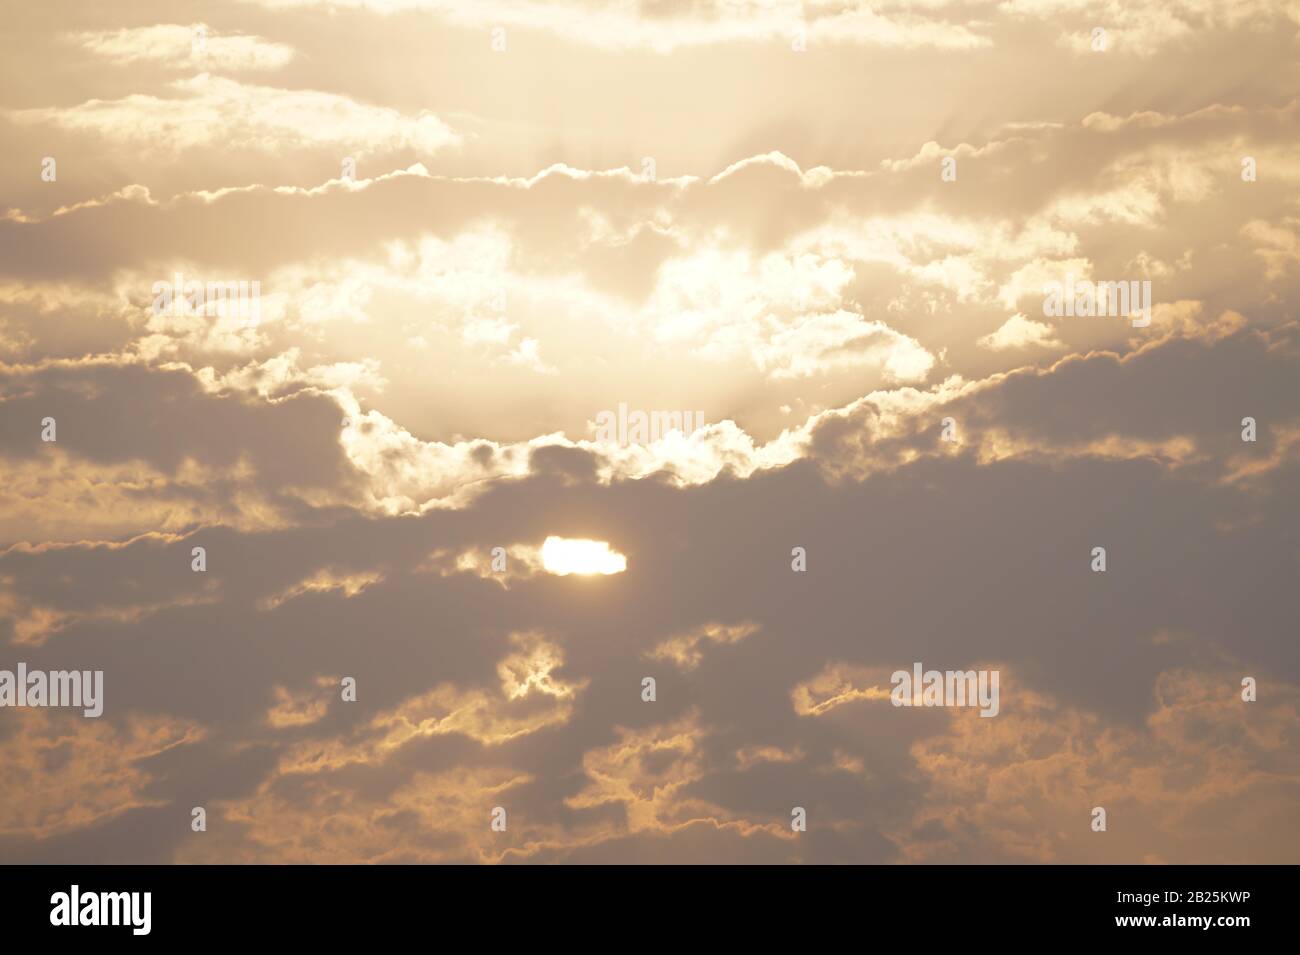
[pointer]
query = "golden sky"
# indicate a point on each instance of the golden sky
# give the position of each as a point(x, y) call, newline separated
point(474, 235)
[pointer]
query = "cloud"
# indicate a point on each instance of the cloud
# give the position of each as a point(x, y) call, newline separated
point(1028, 785)
point(687, 649)
point(1278, 244)
point(67, 775)
point(1020, 332)
point(443, 705)
point(709, 221)
point(665, 27)
point(207, 111)
point(195, 47)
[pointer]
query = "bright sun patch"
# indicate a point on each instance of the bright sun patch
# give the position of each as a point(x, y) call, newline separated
point(566, 556)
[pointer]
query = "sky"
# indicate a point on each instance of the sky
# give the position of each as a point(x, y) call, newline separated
point(612, 398)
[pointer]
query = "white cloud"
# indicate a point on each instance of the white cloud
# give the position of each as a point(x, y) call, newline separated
point(195, 47)
point(819, 343)
point(216, 111)
point(625, 24)
point(1020, 332)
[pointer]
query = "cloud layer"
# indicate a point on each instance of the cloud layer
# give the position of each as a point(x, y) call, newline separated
point(808, 245)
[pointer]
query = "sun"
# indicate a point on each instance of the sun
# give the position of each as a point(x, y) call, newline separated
point(564, 556)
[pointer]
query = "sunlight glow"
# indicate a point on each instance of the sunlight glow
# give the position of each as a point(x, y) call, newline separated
point(566, 556)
